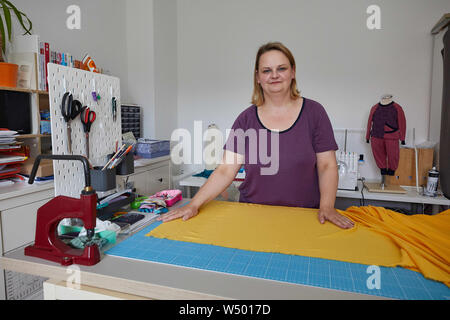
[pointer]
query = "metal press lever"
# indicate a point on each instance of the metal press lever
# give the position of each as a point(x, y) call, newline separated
point(87, 174)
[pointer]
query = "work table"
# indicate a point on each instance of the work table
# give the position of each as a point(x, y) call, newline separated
point(128, 269)
point(165, 281)
point(19, 189)
point(168, 281)
point(23, 188)
point(20, 201)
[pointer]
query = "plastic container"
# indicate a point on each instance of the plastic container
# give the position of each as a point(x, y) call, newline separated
point(45, 127)
point(126, 166)
point(103, 180)
point(8, 74)
point(109, 235)
point(148, 148)
point(169, 196)
point(106, 212)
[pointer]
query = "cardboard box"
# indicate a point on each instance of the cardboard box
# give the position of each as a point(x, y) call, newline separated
point(405, 175)
point(45, 168)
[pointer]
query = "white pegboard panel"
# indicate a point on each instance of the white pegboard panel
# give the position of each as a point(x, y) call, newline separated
point(69, 175)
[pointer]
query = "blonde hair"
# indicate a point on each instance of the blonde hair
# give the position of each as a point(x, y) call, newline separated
point(258, 94)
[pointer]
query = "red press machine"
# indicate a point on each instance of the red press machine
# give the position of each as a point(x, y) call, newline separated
point(47, 245)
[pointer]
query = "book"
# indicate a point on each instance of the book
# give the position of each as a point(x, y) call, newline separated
point(47, 60)
point(41, 66)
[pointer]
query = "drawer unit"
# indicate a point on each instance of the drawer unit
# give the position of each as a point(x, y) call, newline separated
point(148, 179)
point(131, 119)
point(158, 179)
point(19, 225)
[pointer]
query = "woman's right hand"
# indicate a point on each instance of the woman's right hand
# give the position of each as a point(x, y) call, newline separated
point(186, 212)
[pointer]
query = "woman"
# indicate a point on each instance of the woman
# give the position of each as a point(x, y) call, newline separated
point(306, 172)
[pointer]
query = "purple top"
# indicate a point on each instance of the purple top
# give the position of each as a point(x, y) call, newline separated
point(384, 115)
point(289, 177)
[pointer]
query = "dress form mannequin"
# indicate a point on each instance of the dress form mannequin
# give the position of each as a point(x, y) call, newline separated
point(385, 127)
point(386, 99)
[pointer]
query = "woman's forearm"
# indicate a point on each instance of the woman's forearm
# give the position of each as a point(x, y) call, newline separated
point(328, 184)
point(219, 180)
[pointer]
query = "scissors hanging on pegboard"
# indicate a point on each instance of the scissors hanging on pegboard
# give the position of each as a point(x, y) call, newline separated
point(70, 109)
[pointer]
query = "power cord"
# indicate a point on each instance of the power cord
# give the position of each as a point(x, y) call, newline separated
point(362, 201)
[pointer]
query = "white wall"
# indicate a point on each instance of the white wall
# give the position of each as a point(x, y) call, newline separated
point(135, 40)
point(139, 43)
point(101, 35)
point(166, 72)
point(187, 60)
point(340, 63)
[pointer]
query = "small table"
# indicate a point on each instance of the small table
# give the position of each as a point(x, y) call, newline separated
point(411, 196)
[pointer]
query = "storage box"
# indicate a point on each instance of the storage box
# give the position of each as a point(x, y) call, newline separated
point(169, 196)
point(45, 127)
point(405, 175)
point(148, 148)
point(45, 168)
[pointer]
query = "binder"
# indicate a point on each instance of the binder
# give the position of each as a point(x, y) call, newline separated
point(47, 60)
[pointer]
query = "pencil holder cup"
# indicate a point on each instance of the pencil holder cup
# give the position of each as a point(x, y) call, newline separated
point(126, 166)
point(103, 180)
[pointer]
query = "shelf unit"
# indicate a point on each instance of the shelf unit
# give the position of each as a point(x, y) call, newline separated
point(38, 143)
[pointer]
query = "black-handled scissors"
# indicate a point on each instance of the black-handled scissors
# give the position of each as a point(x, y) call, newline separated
point(87, 118)
point(70, 109)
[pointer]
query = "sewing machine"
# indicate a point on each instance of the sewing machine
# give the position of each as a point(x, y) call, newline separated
point(47, 245)
point(348, 170)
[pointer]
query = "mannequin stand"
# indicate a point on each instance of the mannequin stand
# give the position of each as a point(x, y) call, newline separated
point(384, 188)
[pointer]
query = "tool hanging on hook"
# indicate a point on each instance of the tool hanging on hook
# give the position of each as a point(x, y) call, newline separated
point(114, 108)
point(95, 94)
point(87, 118)
point(70, 109)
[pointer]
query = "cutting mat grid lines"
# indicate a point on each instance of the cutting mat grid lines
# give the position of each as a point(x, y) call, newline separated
point(397, 283)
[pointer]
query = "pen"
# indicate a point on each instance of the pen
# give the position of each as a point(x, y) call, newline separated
point(115, 161)
point(114, 157)
point(121, 157)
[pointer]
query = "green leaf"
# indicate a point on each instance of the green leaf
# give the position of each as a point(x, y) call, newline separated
point(7, 15)
point(19, 16)
point(2, 32)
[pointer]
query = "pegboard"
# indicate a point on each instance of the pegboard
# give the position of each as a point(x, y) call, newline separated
point(69, 175)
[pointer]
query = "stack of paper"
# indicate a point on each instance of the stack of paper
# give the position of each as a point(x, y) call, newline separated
point(10, 155)
point(7, 139)
point(4, 159)
point(149, 217)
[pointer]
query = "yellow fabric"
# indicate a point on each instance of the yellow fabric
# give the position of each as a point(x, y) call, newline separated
point(380, 236)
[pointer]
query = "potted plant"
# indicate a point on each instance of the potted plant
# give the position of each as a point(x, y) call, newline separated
point(8, 71)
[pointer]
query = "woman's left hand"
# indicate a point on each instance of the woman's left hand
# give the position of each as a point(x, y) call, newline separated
point(330, 214)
